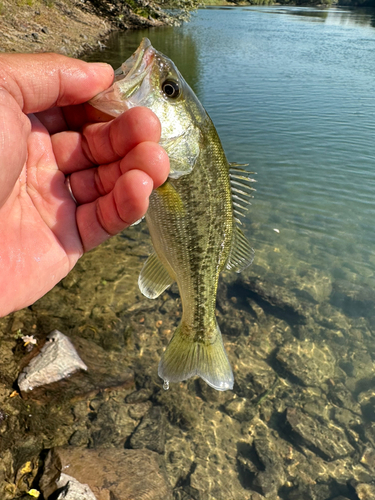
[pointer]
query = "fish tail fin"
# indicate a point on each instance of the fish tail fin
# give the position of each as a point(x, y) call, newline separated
point(185, 358)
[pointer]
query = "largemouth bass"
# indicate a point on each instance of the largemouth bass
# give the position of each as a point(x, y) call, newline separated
point(192, 218)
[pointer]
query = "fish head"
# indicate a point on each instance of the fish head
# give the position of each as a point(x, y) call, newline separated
point(149, 78)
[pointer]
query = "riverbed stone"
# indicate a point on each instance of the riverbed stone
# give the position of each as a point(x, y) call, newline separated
point(365, 491)
point(326, 440)
point(57, 360)
point(240, 409)
point(368, 459)
point(150, 433)
point(273, 476)
point(306, 362)
point(115, 474)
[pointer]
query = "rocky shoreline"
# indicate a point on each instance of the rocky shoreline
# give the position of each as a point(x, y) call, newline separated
point(71, 27)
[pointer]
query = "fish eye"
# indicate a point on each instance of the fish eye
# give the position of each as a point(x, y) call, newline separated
point(171, 89)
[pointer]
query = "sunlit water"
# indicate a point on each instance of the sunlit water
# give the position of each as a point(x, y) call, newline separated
point(291, 92)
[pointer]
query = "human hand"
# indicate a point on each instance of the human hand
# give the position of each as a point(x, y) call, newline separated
point(46, 135)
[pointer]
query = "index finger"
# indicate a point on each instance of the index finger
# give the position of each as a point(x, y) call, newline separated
point(106, 142)
point(40, 81)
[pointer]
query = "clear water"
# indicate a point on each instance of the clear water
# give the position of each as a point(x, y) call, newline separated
point(291, 92)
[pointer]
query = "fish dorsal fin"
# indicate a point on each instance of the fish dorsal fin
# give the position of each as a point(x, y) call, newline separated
point(153, 278)
point(240, 182)
point(241, 254)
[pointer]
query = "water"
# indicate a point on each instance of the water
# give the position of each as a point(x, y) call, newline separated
point(290, 91)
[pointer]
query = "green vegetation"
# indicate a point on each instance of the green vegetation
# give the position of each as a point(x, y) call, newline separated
point(147, 9)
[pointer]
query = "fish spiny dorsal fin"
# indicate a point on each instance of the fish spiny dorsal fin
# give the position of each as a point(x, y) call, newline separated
point(242, 189)
point(241, 254)
point(154, 277)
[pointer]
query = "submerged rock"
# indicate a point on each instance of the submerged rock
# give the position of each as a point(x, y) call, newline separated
point(240, 409)
point(151, 431)
point(365, 491)
point(57, 360)
point(109, 473)
point(329, 442)
point(306, 362)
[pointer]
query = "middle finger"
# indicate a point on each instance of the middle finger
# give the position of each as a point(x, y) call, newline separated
point(88, 185)
point(106, 142)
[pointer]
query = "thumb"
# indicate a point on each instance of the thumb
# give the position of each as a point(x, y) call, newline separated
point(40, 81)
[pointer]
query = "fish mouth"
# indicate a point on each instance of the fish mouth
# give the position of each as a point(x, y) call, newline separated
point(128, 79)
point(137, 63)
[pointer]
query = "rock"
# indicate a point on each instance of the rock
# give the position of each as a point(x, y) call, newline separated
point(112, 473)
point(140, 396)
point(329, 442)
point(240, 409)
point(151, 431)
point(311, 492)
point(104, 372)
point(368, 459)
point(273, 476)
point(45, 30)
point(35, 36)
point(57, 360)
point(340, 498)
point(186, 493)
point(79, 438)
point(365, 491)
point(367, 401)
point(73, 489)
point(306, 362)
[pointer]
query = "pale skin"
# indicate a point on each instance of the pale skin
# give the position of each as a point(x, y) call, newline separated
point(47, 134)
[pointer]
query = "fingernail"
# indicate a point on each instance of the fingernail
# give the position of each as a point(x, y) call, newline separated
point(100, 66)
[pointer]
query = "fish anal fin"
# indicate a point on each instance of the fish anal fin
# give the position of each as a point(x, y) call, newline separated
point(241, 254)
point(185, 358)
point(154, 277)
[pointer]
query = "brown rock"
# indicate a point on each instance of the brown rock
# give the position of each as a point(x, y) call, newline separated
point(110, 473)
point(326, 440)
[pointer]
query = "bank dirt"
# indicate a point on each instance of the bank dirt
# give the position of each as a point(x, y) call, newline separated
point(71, 27)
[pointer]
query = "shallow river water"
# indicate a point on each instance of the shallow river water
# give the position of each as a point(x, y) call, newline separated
point(291, 92)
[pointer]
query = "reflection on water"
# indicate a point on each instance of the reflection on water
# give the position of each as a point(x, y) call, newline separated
point(335, 16)
point(167, 40)
point(293, 98)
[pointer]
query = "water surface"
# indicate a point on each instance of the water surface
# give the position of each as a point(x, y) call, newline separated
point(291, 92)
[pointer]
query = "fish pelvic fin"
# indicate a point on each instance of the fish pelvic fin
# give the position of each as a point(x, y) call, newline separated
point(185, 357)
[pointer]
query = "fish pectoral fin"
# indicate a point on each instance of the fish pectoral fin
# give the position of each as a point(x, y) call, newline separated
point(241, 254)
point(184, 358)
point(154, 277)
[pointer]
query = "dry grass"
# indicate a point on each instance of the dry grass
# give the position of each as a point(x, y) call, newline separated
point(63, 26)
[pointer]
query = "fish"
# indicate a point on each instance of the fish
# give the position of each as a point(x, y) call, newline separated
point(193, 218)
